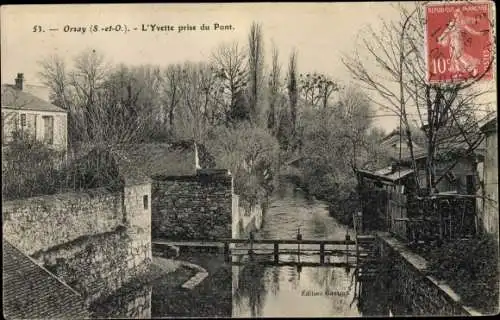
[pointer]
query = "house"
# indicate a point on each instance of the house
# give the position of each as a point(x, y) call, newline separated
point(460, 179)
point(26, 111)
point(489, 210)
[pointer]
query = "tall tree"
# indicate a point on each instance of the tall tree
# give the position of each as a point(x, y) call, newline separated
point(255, 68)
point(274, 90)
point(293, 91)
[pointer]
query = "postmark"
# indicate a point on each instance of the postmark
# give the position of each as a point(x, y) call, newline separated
point(459, 45)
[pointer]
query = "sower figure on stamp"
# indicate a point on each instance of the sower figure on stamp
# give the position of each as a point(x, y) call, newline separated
point(453, 37)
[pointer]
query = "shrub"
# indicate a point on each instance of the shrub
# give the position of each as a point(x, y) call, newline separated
point(251, 154)
point(471, 268)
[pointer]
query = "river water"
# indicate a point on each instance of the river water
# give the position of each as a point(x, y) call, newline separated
point(286, 291)
point(263, 291)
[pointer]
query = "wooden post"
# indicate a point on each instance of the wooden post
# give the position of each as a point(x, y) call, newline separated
point(276, 252)
point(226, 251)
point(347, 238)
point(250, 251)
point(299, 238)
point(321, 252)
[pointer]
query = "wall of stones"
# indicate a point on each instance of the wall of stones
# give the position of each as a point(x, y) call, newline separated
point(98, 265)
point(414, 290)
point(40, 223)
point(197, 207)
point(94, 241)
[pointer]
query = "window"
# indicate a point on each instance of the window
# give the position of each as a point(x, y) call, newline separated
point(145, 202)
point(48, 129)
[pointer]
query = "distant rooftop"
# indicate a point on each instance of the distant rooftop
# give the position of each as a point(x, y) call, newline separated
point(31, 292)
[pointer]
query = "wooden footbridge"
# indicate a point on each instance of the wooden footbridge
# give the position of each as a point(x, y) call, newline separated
point(360, 252)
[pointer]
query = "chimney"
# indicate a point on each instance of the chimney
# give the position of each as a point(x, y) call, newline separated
point(19, 81)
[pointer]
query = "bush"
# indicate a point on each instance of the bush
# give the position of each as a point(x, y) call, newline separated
point(252, 155)
point(471, 268)
point(29, 168)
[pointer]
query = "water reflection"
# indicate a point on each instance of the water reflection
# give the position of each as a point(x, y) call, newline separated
point(128, 303)
point(308, 291)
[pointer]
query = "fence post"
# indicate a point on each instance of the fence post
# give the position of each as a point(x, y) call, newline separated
point(321, 252)
point(226, 250)
point(276, 252)
point(250, 251)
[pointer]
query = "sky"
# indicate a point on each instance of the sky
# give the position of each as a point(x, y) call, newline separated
point(320, 32)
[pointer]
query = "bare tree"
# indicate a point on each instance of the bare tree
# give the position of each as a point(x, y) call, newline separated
point(293, 91)
point(171, 91)
point(317, 88)
point(55, 77)
point(255, 67)
point(274, 90)
point(231, 71)
point(196, 86)
point(399, 82)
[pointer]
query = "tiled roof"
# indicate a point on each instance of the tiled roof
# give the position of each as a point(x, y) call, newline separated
point(30, 292)
point(167, 159)
point(17, 99)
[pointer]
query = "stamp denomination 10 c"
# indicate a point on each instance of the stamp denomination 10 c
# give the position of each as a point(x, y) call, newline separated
point(459, 44)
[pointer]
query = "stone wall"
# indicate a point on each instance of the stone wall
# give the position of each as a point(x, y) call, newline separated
point(99, 265)
point(197, 207)
point(40, 223)
point(413, 290)
point(94, 241)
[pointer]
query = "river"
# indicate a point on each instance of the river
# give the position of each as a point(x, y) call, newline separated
point(263, 291)
point(286, 291)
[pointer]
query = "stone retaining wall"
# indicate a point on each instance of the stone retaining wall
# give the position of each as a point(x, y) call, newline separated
point(415, 290)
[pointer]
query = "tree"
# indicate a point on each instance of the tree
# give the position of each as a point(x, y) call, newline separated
point(293, 91)
point(171, 92)
point(255, 68)
point(317, 89)
point(399, 81)
point(231, 72)
point(195, 88)
point(274, 90)
point(105, 104)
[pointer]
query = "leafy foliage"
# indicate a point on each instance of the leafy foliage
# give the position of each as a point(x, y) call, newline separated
point(471, 268)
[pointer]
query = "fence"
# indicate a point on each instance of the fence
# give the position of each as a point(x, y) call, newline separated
point(436, 217)
point(397, 214)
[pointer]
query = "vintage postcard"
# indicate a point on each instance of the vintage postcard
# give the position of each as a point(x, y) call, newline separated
point(249, 160)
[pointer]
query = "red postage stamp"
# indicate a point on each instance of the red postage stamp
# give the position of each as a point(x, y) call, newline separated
point(459, 41)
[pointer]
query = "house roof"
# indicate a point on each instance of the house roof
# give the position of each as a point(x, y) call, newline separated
point(13, 98)
point(167, 159)
point(490, 125)
point(387, 174)
point(30, 291)
point(138, 163)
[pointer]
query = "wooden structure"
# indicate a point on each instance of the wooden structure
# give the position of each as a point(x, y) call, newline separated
point(255, 249)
